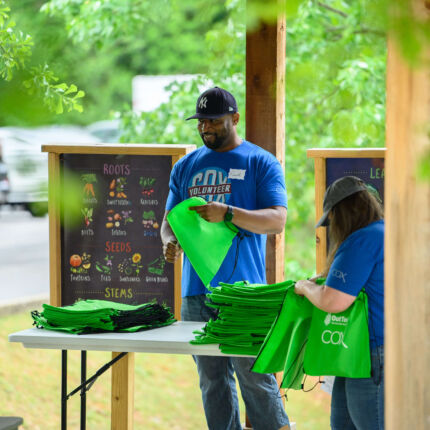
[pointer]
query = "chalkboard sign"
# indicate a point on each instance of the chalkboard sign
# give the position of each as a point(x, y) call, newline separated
point(112, 250)
point(370, 170)
point(332, 164)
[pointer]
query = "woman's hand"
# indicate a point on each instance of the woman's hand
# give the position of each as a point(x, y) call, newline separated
point(324, 297)
point(300, 286)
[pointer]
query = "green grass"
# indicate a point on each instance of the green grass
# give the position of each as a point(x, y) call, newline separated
point(166, 389)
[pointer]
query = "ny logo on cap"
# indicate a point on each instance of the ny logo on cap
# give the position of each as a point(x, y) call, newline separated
point(202, 102)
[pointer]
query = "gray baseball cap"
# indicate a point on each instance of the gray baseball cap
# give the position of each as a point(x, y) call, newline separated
point(336, 192)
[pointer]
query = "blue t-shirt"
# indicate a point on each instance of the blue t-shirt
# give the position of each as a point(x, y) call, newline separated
point(247, 177)
point(358, 263)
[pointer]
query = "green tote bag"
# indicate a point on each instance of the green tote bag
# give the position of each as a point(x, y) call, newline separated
point(284, 345)
point(205, 243)
point(338, 344)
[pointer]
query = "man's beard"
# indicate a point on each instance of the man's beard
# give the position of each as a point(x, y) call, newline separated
point(215, 143)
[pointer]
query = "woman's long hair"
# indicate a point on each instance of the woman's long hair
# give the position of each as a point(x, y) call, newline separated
point(350, 214)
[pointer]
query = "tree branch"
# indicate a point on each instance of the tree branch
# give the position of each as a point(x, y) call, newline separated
point(370, 30)
point(361, 30)
point(332, 9)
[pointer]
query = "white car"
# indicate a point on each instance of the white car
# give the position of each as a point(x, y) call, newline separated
point(4, 183)
point(27, 165)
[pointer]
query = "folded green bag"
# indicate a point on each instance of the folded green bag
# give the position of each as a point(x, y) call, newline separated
point(205, 243)
point(95, 316)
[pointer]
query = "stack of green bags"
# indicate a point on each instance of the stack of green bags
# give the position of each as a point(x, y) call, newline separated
point(96, 316)
point(246, 313)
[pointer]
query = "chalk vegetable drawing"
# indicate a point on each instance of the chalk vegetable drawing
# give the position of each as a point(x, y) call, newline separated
point(89, 179)
point(116, 188)
point(149, 219)
point(126, 216)
point(88, 216)
point(157, 266)
point(147, 185)
point(106, 267)
point(130, 266)
point(80, 263)
point(115, 219)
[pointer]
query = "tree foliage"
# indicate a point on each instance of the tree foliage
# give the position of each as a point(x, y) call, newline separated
point(16, 49)
point(335, 70)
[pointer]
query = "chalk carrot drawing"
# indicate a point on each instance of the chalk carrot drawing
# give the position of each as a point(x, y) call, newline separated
point(89, 179)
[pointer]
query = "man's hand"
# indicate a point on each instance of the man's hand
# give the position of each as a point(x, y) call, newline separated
point(172, 251)
point(212, 212)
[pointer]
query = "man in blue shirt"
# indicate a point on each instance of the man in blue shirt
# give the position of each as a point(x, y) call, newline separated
point(244, 184)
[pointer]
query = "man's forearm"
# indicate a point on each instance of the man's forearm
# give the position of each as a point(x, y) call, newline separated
point(261, 221)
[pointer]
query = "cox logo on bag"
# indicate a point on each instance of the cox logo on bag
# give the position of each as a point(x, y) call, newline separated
point(333, 337)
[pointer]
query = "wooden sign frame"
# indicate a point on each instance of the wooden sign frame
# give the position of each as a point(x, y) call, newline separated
point(122, 382)
point(320, 157)
point(54, 168)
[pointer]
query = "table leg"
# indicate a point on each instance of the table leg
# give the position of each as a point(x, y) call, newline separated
point(64, 390)
point(83, 391)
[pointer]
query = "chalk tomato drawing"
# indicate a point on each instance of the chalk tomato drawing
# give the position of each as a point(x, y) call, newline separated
point(75, 260)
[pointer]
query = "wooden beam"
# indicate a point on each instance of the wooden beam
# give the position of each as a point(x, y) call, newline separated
point(407, 250)
point(321, 232)
point(122, 396)
point(265, 112)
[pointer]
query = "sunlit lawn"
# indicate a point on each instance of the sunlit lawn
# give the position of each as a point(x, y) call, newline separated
point(166, 389)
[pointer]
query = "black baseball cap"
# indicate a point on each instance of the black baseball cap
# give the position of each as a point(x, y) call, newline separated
point(214, 103)
point(336, 192)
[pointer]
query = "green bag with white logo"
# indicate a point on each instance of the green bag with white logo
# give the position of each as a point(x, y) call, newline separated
point(338, 344)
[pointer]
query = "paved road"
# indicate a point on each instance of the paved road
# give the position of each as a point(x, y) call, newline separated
point(24, 255)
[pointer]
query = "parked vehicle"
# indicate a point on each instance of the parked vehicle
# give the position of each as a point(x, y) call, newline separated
point(107, 131)
point(27, 165)
point(4, 182)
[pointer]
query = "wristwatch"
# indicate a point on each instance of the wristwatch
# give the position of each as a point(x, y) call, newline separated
point(229, 214)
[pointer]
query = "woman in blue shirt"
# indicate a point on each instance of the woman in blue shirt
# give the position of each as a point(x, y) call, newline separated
point(355, 261)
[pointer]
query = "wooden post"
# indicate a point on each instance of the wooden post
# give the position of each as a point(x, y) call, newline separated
point(407, 249)
point(122, 403)
point(54, 229)
point(265, 112)
point(265, 117)
point(321, 232)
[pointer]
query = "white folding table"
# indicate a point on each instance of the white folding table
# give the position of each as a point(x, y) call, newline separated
point(172, 339)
